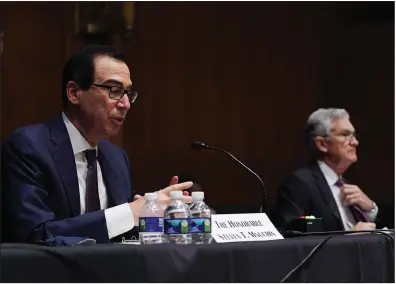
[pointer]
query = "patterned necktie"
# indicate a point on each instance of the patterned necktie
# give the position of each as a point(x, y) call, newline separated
point(92, 202)
point(355, 210)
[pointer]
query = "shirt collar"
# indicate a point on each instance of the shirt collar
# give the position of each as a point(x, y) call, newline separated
point(330, 175)
point(79, 143)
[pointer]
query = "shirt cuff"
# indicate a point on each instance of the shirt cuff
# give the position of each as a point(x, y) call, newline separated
point(372, 215)
point(119, 219)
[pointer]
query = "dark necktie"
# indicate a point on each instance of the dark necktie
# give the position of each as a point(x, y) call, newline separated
point(92, 202)
point(355, 210)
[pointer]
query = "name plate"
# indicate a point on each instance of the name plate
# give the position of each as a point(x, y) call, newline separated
point(228, 228)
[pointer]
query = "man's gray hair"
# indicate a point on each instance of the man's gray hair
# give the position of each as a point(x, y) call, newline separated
point(319, 123)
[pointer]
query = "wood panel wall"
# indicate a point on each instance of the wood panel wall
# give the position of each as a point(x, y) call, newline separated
point(240, 76)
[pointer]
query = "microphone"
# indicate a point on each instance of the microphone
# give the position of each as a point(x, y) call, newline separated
point(200, 145)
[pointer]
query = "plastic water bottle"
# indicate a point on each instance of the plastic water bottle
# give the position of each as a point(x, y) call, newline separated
point(177, 220)
point(151, 221)
point(200, 219)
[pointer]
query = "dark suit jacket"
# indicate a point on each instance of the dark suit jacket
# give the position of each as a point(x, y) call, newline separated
point(306, 192)
point(40, 193)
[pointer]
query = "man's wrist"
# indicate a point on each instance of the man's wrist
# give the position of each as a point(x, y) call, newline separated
point(135, 208)
point(373, 208)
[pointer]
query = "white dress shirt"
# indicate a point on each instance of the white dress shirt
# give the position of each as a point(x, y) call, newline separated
point(119, 219)
point(347, 218)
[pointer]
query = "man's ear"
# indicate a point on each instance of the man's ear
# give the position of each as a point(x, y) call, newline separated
point(73, 92)
point(321, 144)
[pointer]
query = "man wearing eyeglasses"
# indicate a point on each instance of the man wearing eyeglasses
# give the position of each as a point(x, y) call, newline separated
point(63, 178)
point(319, 189)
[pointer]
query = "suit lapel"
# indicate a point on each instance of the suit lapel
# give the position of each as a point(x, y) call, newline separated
point(110, 176)
point(325, 190)
point(62, 153)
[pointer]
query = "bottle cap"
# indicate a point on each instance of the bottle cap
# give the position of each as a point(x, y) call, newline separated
point(176, 195)
point(150, 196)
point(197, 195)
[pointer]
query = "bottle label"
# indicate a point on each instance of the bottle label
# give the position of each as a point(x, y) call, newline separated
point(151, 224)
point(177, 226)
point(200, 225)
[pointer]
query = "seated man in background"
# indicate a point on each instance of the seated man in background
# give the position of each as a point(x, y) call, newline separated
point(63, 178)
point(319, 188)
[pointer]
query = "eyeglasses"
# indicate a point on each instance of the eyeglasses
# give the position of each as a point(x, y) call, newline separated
point(117, 93)
point(347, 136)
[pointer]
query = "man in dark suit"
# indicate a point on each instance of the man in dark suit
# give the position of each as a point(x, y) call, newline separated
point(319, 189)
point(63, 178)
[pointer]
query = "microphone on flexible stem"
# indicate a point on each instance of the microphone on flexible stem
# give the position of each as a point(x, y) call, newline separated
point(200, 145)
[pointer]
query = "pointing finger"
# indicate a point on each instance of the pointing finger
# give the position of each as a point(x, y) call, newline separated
point(174, 180)
point(179, 186)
